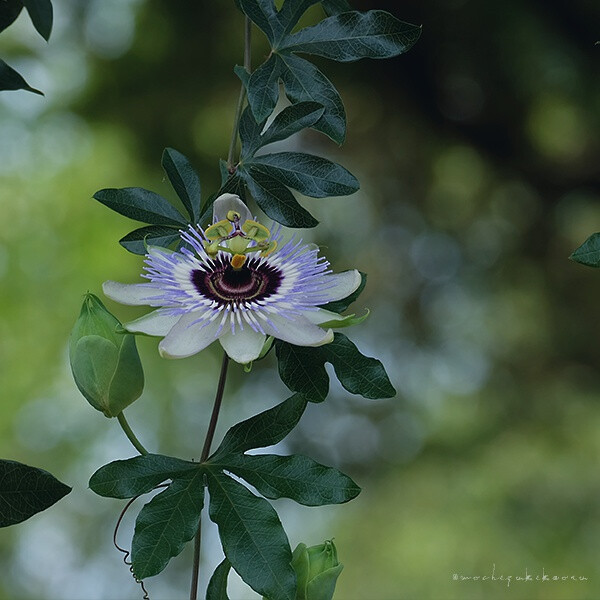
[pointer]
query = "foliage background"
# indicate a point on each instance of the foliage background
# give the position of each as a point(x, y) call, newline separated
point(478, 157)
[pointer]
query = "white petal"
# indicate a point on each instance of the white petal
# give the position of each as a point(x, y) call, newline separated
point(243, 346)
point(300, 331)
point(188, 337)
point(322, 316)
point(154, 323)
point(135, 294)
point(226, 202)
point(342, 284)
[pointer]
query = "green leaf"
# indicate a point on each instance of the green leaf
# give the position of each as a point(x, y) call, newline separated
point(40, 12)
point(11, 80)
point(141, 205)
point(242, 74)
point(289, 121)
point(276, 200)
point(292, 119)
point(335, 7)
point(311, 175)
point(264, 14)
point(357, 373)
point(346, 321)
point(166, 524)
point(262, 430)
point(302, 369)
point(354, 35)
point(253, 538)
point(304, 82)
point(339, 306)
point(26, 491)
point(184, 180)
point(9, 11)
point(217, 586)
point(291, 12)
point(589, 252)
point(224, 171)
point(138, 241)
point(250, 131)
point(297, 477)
point(138, 475)
point(263, 89)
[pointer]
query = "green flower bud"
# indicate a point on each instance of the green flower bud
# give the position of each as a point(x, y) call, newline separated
point(317, 569)
point(104, 359)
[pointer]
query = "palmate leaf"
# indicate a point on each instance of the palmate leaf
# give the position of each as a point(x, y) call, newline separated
point(257, 547)
point(344, 36)
point(11, 80)
point(253, 539)
point(302, 369)
point(297, 477)
point(269, 187)
point(26, 491)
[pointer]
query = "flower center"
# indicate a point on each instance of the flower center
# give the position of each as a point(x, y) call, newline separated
point(225, 284)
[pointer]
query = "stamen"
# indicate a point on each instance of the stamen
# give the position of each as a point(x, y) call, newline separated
point(237, 261)
point(269, 249)
point(211, 249)
point(255, 231)
point(219, 230)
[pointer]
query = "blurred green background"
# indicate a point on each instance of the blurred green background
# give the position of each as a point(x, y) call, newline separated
point(478, 154)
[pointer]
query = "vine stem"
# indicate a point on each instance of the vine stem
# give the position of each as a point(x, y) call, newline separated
point(129, 433)
point(210, 434)
point(242, 96)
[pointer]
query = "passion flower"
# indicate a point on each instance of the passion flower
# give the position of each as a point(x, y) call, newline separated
point(233, 283)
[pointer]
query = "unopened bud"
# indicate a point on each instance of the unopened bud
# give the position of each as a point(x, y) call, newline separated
point(105, 362)
point(317, 569)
